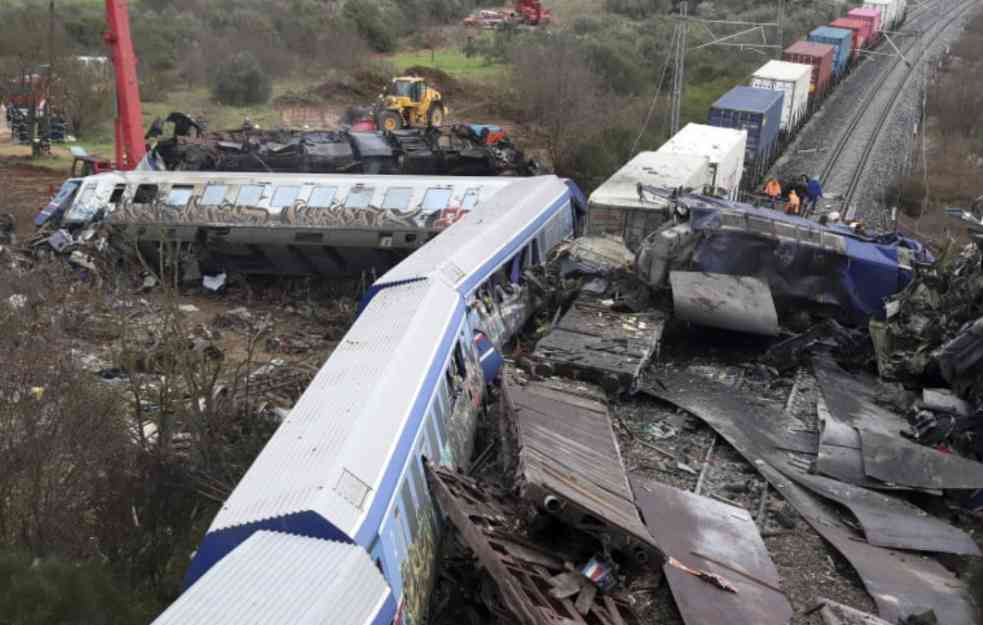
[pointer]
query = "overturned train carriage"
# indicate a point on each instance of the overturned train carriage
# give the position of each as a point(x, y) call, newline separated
point(343, 476)
point(337, 225)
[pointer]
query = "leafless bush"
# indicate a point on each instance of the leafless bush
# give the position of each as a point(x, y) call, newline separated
point(556, 90)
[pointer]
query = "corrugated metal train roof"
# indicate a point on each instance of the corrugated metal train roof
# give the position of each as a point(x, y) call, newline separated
point(281, 578)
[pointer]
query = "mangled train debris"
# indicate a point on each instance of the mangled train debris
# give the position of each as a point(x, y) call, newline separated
point(609, 333)
point(569, 463)
point(719, 538)
point(460, 150)
point(530, 581)
point(808, 267)
point(901, 583)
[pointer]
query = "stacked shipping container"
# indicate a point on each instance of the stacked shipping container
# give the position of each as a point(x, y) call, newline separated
point(841, 40)
point(759, 112)
point(792, 79)
point(820, 56)
point(860, 30)
point(873, 19)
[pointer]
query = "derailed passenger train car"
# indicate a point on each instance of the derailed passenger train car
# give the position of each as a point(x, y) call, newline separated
point(344, 472)
point(297, 224)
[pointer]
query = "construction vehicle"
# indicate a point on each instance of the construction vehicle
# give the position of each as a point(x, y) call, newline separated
point(410, 103)
point(524, 13)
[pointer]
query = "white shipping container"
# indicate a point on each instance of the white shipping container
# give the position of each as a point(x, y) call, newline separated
point(617, 207)
point(791, 78)
point(724, 147)
point(651, 168)
point(889, 11)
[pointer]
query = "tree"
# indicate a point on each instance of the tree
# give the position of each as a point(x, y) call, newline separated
point(377, 25)
point(84, 95)
point(241, 81)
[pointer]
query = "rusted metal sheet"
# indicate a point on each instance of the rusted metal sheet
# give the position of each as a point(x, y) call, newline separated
point(520, 571)
point(750, 428)
point(900, 583)
point(887, 457)
point(570, 464)
point(721, 539)
point(740, 303)
point(593, 343)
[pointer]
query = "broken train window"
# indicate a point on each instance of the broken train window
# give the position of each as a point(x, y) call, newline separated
point(249, 195)
point(145, 194)
point(214, 195)
point(436, 199)
point(179, 196)
point(322, 197)
point(470, 200)
point(284, 197)
point(359, 197)
point(397, 198)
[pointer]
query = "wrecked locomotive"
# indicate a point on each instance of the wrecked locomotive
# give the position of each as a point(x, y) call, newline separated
point(341, 484)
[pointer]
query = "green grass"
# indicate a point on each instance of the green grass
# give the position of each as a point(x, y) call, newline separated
point(452, 61)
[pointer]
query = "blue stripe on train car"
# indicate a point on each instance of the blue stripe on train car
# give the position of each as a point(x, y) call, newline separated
point(759, 111)
point(839, 38)
point(216, 545)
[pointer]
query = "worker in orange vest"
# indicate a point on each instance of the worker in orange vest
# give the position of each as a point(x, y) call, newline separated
point(793, 205)
point(774, 192)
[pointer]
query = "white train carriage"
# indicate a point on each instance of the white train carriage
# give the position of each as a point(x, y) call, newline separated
point(404, 384)
point(326, 224)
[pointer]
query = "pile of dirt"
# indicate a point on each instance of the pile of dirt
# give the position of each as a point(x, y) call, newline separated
point(362, 85)
point(438, 78)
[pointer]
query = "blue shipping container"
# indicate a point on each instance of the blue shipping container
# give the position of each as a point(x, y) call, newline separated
point(839, 38)
point(759, 111)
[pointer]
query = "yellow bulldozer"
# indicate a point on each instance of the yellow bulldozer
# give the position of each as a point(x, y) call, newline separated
point(408, 103)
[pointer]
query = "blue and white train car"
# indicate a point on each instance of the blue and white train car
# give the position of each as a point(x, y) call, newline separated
point(345, 468)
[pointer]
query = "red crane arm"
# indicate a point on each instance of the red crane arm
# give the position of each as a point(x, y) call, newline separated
point(130, 148)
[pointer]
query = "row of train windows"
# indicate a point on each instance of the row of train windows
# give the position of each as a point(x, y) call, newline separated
point(395, 198)
point(434, 437)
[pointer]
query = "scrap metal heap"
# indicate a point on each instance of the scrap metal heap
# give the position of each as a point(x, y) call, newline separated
point(459, 150)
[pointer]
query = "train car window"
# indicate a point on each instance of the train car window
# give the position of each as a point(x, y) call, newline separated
point(434, 437)
point(214, 195)
point(470, 199)
point(397, 198)
point(459, 360)
point(179, 196)
point(359, 197)
point(535, 251)
point(411, 518)
point(117, 195)
point(284, 197)
point(439, 421)
point(322, 197)
point(436, 199)
point(249, 195)
point(416, 475)
point(145, 194)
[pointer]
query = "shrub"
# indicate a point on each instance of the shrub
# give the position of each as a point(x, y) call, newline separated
point(377, 25)
point(57, 592)
point(241, 81)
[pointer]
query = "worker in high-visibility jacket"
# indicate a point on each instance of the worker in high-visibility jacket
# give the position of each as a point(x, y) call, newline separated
point(793, 206)
point(774, 191)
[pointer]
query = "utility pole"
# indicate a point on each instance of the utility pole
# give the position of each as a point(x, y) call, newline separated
point(51, 69)
point(679, 68)
point(780, 29)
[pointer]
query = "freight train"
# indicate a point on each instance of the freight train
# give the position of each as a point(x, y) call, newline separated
point(746, 128)
point(333, 522)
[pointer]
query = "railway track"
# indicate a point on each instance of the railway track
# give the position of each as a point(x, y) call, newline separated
point(886, 100)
